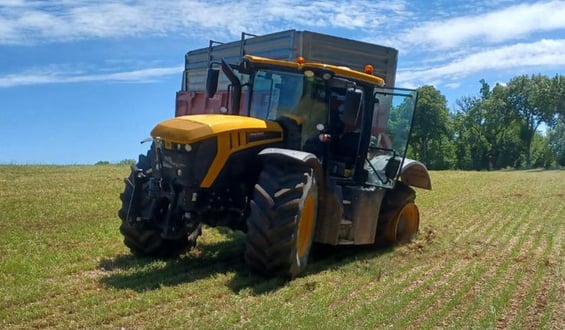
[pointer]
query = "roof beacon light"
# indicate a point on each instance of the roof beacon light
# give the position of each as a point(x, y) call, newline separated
point(300, 60)
point(369, 69)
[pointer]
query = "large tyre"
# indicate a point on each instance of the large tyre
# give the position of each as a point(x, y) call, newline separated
point(282, 220)
point(139, 218)
point(399, 218)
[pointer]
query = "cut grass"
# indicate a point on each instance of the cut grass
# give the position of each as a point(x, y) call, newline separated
point(489, 255)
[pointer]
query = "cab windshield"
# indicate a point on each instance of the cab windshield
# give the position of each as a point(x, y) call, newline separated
point(340, 108)
point(393, 113)
point(275, 94)
point(392, 119)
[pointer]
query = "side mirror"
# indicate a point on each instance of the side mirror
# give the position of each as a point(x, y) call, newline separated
point(353, 98)
point(212, 81)
point(392, 167)
point(351, 105)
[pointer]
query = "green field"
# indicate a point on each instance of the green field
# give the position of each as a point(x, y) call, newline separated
point(490, 254)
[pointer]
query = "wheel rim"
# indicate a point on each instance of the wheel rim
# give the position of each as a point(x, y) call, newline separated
point(407, 223)
point(306, 226)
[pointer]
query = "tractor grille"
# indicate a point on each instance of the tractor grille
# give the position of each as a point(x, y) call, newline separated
point(187, 165)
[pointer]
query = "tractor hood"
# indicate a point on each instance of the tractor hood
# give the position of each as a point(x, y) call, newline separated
point(192, 128)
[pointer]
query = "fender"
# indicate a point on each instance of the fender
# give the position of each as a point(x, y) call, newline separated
point(415, 173)
point(300, 157)
point(295, 156)
point(329, 213)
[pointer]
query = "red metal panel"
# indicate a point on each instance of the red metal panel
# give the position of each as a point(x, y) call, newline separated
point(192, 103)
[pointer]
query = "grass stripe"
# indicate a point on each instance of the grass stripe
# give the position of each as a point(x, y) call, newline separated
point(411, 298)
point(487, 239)
point(454, 291)
point(538, 270)
point(502, 275)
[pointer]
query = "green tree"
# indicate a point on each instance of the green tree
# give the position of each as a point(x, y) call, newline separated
point(499, 124)
point(471, 146)
point(127, 161)
point(486, 127)
point(556, 137)
point(541, 152)
point(430, 141)
point(511, 151)
point(533, 98)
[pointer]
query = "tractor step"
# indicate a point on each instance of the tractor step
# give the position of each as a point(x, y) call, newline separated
point(345, 231)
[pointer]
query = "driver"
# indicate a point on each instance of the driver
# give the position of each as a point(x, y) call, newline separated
point(347, 142)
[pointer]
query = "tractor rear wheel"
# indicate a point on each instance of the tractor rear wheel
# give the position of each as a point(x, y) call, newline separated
point(399, 218)
point(140, 214)
point(282, 220)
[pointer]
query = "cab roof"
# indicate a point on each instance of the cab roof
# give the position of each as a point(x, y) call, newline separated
point(338, 70)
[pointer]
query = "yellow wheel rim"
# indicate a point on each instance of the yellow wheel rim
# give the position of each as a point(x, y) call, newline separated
point(306, 226)
point(405, 224)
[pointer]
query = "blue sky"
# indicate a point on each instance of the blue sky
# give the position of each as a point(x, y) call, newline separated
point(83, 80)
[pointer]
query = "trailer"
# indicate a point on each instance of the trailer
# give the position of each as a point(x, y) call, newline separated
point(285, 45)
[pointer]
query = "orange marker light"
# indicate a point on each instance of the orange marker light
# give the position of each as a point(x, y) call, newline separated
point(369, 69)
point(300, 60)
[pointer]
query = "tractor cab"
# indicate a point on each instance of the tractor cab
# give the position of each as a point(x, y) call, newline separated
point(356, 128)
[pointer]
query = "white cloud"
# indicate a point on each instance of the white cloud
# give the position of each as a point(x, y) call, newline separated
point(59, 20)
point(441, 50)
point(510, 23)
point(453, 85)
point(543, 53)
point(52, 75)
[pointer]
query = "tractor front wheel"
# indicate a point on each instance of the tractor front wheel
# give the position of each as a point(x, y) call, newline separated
point(399, 219)
point(140, 215)
point(282, 220)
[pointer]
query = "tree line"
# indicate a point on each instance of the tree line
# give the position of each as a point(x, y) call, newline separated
point(520, 124)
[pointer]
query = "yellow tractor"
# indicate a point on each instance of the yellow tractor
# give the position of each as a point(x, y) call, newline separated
point(299, 153)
